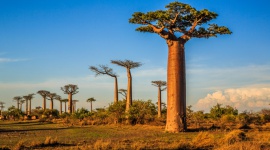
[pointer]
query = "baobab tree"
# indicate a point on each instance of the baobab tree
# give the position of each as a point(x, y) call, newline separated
point(28, 98)
point(90, 100)
point(159, 84)
point(58, 97)
point(26, 104)
point(65, 101)
point(123, 92)
point(21, 103)
point(128, 64)
point(70, 89)
point(177, 24)
point(17, 99)
point(51, 97)
point(1, 108)
point(44, 94)
point(105, 70)
point(74, 105)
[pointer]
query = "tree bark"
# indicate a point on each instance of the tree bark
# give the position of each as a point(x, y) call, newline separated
point(51, 104)
point(70, 103)
point(159, 102)
point(91, 105)
point(44, 103)
point(60, 108)
point(176, 88)
point(29, 112)
point(129, 90)
point(115, 90)
point(26, 107)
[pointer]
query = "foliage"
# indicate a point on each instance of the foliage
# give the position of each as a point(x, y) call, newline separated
point(179, 17)
point(117, 111)
point(14, 113)
point(81, 113)
point(48, 113)
point(217, 111)
point(142, 112)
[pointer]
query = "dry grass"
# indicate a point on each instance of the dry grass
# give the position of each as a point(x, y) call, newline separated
point(43, 136)
point(203, 140)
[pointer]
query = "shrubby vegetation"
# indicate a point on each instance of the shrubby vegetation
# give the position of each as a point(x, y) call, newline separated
point(145, 112)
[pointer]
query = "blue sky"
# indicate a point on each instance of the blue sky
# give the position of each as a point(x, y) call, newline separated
point(47, 44)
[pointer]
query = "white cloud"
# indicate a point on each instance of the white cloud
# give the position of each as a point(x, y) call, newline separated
point(2, 60)
point(248, 98)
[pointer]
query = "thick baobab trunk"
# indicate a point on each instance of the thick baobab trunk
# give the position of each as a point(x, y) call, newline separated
point(129, 90)
point(176, 88)
point(115, 90)
point(60, 108)
point(91, 106)
point(44, 103)
point(159, 102)
point(70, 103)
point(51, 104)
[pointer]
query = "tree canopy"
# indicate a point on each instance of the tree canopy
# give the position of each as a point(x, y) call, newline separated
point(102, 70)
point(181, 18)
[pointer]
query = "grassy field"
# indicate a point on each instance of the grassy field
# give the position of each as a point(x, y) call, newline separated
point(38, 135)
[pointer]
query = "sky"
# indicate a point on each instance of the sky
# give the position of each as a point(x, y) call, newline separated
point(45, 45)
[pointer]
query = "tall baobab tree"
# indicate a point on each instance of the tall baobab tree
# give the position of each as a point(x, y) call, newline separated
point(44, 94)
point(177, 24)
point(30, 97)
point(51, 97)
point(21, 103)
point(74, 105)
point(105, 70)
point(123, 92)
point(58, 97)
point(17, 99)
point(159, 84)
point(90, 100)
point(26, 104)
point(70, 89)
point(128, 64)
point(1, 108)
point(65, 101)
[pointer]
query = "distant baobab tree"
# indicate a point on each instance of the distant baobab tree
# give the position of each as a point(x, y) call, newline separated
point(159, 84)
point(51, 97)
point(177, 25)
point(44, 94)
point(26, 104)
point(70, 89)
point(22, 101)
point(28, 98)
point(65, 101)
point(57, 97)
point(17, 99)
point(128, 64)
point(74, 104)
point(105, 70)
point(123, 92)
point(90, 100)
point(1, 108)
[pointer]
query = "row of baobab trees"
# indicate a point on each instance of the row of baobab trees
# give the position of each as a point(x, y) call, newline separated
point(128, 65)
point(71, 90)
